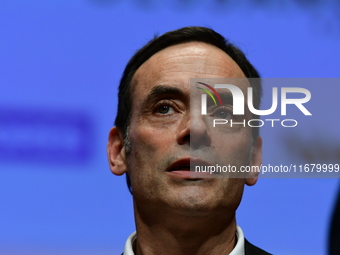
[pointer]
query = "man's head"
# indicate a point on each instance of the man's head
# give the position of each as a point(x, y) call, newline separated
point(183, 35)
point(155, 131)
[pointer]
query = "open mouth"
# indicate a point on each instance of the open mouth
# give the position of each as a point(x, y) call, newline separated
point(186, 166)
point(181, 165)
point(181, 168)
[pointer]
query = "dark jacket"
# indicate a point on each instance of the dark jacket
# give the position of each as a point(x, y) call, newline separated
point(250, 249)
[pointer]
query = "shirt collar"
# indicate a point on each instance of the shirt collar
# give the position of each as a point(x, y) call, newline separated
point(238, 249)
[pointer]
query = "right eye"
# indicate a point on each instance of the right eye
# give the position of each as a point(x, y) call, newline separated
point(165, 109)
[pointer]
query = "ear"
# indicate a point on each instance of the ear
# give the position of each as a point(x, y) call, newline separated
point(116, 152)
point(252, 177)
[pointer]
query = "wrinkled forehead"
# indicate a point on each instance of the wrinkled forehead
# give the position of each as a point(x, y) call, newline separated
point(178, 63)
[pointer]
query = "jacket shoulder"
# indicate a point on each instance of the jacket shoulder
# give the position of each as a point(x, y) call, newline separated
point(253, 250)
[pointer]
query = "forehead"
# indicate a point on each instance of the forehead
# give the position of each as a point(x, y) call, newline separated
point(175, 65)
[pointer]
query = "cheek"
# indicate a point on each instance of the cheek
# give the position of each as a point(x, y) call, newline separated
point(234, 149)
point(146, 162)
point(233, 192)
point(234, 142)
point(148, 139)
point(149, 150)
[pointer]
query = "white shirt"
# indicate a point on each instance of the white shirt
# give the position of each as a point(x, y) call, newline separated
point(238, 249)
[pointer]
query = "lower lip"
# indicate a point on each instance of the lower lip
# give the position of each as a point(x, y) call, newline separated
point(189, 174)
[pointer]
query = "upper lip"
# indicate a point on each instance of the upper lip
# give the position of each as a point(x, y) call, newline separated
point(185, 164)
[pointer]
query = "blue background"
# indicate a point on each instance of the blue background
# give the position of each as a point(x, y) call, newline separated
point(60, 63)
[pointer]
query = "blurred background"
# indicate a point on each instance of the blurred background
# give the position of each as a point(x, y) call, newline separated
point(60, 64)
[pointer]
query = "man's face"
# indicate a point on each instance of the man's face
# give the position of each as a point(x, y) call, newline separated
point(165, 135)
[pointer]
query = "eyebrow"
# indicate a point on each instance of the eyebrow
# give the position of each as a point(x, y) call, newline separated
point(162, 90)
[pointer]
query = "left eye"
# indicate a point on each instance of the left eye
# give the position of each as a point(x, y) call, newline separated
point(165, 109)
point(222, 114)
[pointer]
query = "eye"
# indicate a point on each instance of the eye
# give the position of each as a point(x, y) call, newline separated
point(165, 109)
point(222, 113)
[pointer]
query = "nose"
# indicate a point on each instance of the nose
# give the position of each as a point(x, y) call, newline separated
point(193, 131)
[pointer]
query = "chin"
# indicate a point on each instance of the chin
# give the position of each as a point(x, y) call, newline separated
point(198, 199)
point(195, 201)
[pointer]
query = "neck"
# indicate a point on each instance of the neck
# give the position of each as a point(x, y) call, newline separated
point(176, 233)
